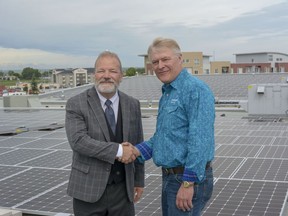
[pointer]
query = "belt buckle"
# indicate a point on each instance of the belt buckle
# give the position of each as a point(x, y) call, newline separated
point(168, 171)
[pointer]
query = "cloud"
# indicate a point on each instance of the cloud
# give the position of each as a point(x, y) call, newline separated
point(35, 58)
point(82, 29)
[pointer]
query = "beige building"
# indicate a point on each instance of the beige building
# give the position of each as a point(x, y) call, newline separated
point(196, 62)
point(220, 67)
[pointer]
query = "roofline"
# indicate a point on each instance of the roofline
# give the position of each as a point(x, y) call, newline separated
point(260, 53)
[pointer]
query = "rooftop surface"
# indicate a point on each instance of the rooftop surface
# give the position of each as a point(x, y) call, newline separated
point(250, 165)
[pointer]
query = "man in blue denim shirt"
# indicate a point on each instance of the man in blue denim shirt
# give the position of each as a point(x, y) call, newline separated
point(183, 144)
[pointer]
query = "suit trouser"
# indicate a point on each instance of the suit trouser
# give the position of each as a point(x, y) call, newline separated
point(114, 201)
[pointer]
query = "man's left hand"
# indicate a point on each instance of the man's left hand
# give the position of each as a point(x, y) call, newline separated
point(137, 193)
point(184, 198)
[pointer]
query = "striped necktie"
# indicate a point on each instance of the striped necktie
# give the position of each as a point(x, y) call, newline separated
point(109, 112)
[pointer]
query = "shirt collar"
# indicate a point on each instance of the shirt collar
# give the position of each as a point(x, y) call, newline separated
point(177, 83)
point(112, 99)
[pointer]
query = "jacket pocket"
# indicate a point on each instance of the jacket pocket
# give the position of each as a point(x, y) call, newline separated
point(80, 166)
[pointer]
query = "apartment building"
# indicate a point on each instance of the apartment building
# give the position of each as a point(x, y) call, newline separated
point(72, 77)
point(260, 62)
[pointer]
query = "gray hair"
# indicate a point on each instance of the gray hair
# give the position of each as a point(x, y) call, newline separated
point(108, 54)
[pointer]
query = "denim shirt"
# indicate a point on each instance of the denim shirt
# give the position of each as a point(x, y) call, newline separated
point(184, 133)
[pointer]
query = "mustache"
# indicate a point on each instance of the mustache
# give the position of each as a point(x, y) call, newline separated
point(105, 80)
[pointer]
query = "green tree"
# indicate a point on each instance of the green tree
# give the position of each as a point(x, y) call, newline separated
point(46, 73)
point(11, 73)
point(131, 71)
point(18, 75)
point(28, 73)
point(34, 86)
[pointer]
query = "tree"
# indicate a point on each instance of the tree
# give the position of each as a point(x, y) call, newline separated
point(11, 73)
point(34, 87)
point(46, 73)
point(131, 71)
point(28, 73)
point(17, 75)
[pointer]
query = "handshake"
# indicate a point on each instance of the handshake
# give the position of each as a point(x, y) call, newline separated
point(130, 153)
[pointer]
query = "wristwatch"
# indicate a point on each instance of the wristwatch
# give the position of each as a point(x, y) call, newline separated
point(187, 184)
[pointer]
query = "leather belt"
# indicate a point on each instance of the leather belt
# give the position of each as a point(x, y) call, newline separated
point(180, 170)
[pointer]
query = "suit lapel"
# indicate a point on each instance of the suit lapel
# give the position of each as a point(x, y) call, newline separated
point(125, 108)
point(96, 107)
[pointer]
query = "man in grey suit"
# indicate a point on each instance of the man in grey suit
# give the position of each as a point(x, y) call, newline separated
point(104, 179)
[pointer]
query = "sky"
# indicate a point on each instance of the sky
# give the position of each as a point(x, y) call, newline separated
point(48, 34)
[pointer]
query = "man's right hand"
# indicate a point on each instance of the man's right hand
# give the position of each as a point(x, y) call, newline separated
point(128, 153)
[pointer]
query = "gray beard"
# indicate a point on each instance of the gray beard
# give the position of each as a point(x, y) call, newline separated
point(106, 89)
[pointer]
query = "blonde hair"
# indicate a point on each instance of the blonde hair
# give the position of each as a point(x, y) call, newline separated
point(164, 42)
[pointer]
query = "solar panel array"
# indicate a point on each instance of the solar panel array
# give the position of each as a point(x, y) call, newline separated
point(224, 86)
point(250, 166)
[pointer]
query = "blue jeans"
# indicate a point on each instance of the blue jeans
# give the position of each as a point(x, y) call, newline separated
point(202, 193)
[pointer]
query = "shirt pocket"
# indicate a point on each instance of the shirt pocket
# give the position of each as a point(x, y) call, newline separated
point(171, 109)
point(170, 117)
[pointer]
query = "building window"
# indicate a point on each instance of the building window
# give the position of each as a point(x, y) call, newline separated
point(196, 61)
point(270, 57)
point(216, 71)
point(225, 70)
point(196, 71)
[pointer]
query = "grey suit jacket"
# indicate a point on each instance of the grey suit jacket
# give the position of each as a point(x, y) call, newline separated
point(93, 152)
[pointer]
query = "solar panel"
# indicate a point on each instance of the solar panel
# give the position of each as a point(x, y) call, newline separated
point(224, 167)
